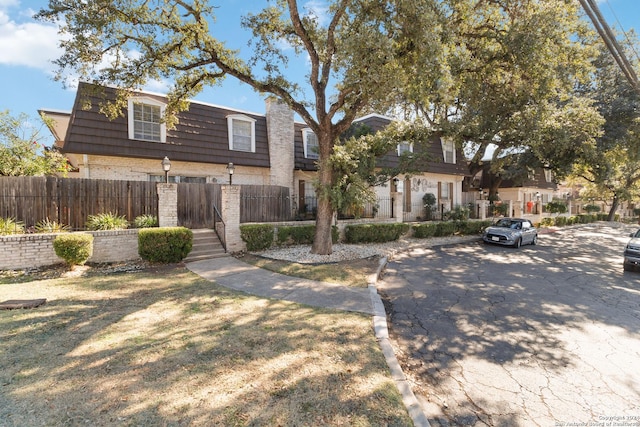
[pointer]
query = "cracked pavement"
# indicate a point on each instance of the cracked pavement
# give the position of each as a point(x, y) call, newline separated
point(544, 335)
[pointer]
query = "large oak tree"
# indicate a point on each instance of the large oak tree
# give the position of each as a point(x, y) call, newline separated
point(612, 166)
point(507, 82)
point(354, 56)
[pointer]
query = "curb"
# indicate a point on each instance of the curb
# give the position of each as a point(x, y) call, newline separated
point(382, 334)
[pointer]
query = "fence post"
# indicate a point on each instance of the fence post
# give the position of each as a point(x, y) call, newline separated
point(167, 205)
point(482, 205)
point(230, 212)
point(398, 206)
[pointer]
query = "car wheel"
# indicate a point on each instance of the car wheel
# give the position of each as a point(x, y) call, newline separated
point(518, 243)
point(627, 267)
point(535, 240)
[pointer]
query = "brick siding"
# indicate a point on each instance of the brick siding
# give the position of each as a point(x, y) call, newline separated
point(36, 250)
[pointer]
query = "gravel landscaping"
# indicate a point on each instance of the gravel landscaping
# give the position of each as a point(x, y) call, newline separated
point(345, 252)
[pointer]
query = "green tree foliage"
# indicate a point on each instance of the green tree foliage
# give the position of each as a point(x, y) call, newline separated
point(611, 167)
point(20, 152)
point(507, 81)
point(354, 161)
point(353, 54)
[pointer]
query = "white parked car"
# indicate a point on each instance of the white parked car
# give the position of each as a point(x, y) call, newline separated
point(511, 232)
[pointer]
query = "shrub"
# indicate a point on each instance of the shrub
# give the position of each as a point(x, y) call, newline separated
point(297, 235)
point(145, 221)
point(499, 209)
point(591, 208)
point(11, 226)
point(422, 231)
point(48, 226)
point(302, 234)
point(374, 233)
point(556, 206)
point(561, 221)
point(74, 248)
point(547, 222)
point(257, 237)
point(445, 229)
point(472, 227)
point(459, 213)
point(107, 221)
point(165, 244)
point(429, 202)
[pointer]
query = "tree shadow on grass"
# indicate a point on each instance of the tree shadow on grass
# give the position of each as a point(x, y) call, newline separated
point(174, 349)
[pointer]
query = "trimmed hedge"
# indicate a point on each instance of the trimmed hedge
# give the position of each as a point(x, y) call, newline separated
point(447, 228)
point(426, 230)
point(473, 227)
point(301, 234)
point(258, 237)
point(560, 221)
point(74, 248)
point(374, 233)
point(165, 244)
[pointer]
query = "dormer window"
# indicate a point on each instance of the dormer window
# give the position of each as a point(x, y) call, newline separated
point(405, 147)
point(310, 144)
point(242, 133)
point(145, 120)
point(448, 151)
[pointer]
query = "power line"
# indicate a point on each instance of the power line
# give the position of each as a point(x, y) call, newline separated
point(626, 34)
point(592, 10)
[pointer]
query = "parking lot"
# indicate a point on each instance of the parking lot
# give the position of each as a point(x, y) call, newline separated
point(544, 335)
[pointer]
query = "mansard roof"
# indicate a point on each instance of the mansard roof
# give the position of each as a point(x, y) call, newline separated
point(200, 135)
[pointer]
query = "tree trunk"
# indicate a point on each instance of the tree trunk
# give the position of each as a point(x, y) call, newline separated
point(614, 208)
point(322, 243)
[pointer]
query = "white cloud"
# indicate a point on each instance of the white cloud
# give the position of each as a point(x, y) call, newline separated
point(28, 43)
point(5, 4)
point(160, 86)
point(319, 9)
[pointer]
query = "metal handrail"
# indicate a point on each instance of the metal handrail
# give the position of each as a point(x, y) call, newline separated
point(217, 219)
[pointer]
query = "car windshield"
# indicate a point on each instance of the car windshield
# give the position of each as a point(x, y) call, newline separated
point(637, 234)
point(507, 223)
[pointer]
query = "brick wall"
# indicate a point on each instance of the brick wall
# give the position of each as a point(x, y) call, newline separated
point(36, 250)
point(109, 167)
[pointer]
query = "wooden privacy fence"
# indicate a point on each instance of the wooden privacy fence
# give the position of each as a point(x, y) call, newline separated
point(264, 203)
point(196, 204)
point(70, 201)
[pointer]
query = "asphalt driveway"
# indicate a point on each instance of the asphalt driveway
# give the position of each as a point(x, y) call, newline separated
point(544, 335)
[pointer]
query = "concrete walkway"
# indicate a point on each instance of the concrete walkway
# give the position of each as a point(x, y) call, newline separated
point(235, 274)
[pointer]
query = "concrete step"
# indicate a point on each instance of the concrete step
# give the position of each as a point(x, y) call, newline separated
point(206, 245)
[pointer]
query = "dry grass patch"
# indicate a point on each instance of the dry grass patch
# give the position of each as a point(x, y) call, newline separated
point(169, 348)
point(349, 273)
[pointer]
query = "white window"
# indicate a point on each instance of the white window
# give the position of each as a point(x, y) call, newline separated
point(242, 133)
point(145, 120)
point(448, 151)
point(310, 144)
point(548, 176)
point(405, 147)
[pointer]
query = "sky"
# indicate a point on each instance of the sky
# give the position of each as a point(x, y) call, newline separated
point(27, 48)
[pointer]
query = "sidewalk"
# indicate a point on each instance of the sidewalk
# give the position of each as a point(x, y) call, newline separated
point(235, 274)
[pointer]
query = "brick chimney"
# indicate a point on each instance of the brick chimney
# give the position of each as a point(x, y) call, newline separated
point(280, 132)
